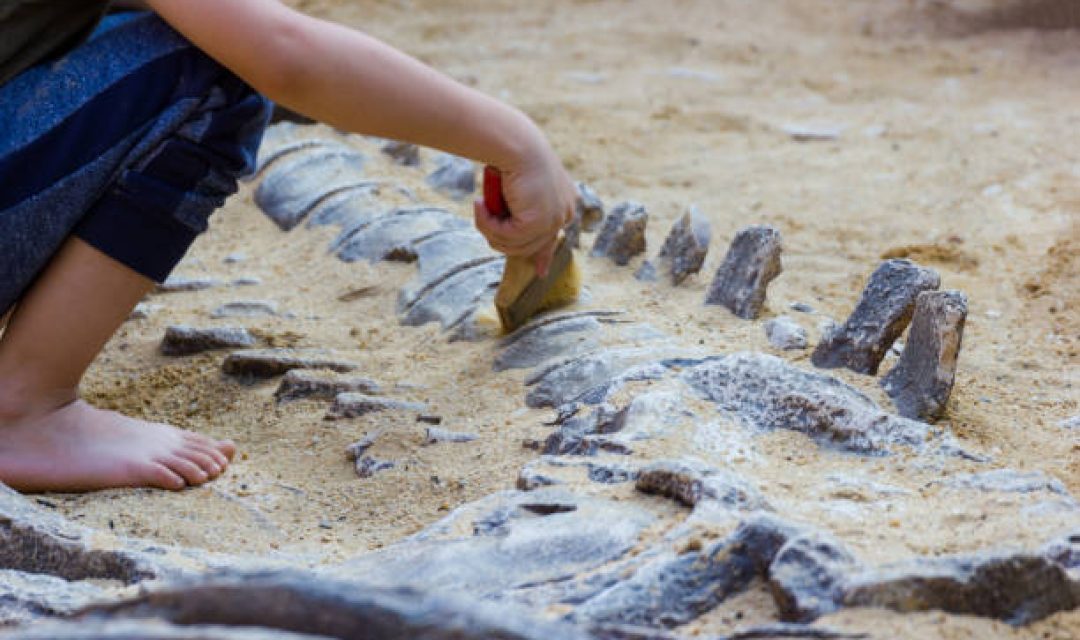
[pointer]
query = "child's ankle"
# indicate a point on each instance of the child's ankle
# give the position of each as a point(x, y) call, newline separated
point(19, 401)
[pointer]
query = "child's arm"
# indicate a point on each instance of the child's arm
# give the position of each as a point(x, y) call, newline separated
point(349, 80)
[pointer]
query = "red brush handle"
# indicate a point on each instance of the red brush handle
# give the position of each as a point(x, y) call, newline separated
point(494, 201)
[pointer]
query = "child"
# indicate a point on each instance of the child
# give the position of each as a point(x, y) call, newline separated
point(114, 153)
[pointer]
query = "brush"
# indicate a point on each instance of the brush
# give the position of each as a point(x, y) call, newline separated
point(522, 293)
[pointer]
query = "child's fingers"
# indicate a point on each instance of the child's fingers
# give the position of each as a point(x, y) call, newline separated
point(544, 258)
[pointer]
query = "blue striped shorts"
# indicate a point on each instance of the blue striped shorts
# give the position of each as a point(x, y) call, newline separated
point(128, 142)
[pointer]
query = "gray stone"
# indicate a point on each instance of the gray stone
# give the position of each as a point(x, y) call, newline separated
point(508, 541)
point(404, 153)
point(144, 310)
point(629, 632)
point(881, 315)
point(1019, 589)
point(235, 258)
point(686, 246)
point(742, 280)
point(921, 382)
point(647, 272)
point(367, 466)
point(766, 392)
point(568, 379)
point(440, 253)
point(34, 540)
point(25, 597)
point(623, 235)
point(269, 363)
point(1065, 551)
point(526, 349)
point(453, 176)
point(784, 333)
point(435, 435)
point(178, 284)
point(308, 383)
point(278, 144)
point(356, 450)
point(245, 309)
point(291, 188)
point(801, 307)
point(320, 605)
point(787, 631)
point(182, 340)
point(354, 405)
point(1006, 481)
point(674, 589)
point(246, 281)
point(588, 214)
point(806, 576)
point(588, 208)
point(550, 470)
point(147, 630)
point(393, 236)
point(348, 207)
point(689, 482)
point(450, 297)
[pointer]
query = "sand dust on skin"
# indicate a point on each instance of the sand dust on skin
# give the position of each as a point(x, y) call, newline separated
point(951, 150)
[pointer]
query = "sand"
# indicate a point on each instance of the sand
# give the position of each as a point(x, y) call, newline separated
point(947, 144)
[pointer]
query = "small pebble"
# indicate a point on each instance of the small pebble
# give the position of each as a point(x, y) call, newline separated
point(245, 309)
point(785, 333)
point(435, 435)
point(801, 307)
point(175, 284)
point(368, 466)
point(234, 258)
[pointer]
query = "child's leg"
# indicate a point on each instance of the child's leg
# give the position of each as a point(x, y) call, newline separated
point(118, 155)
point(48, 439)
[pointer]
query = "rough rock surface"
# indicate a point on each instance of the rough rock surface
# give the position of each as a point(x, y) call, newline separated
point(1006, 481)
point(881, 315)
point(784, 333)
point(291, 187)
point(684, 250)
point(303, 603)
point(313, 383)
point(565, 380)
point(689, 483)
point(588, 214)
point(1018, 589)
point(245, 309)
point(921, 382)
point(751, 263)
point(269, 363)
point(392, 236)
point(25, 597)
point(453, 176)
point(148, 630)
point(182, 340)
point(33, 540)
point(623, 235)
point(533, 345)
point(178, 284)
point(354, 405)
point(434, 435)
point(367, 466)
point(807, 576)
point(768, 393)
point(507, 542)
point(449, 297)
point(673, 589)
point(347, 207)
point(403, 153)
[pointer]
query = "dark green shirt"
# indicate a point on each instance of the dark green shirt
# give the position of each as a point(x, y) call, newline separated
point(32, 31)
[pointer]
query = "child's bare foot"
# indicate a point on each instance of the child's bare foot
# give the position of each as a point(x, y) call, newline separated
point(79, 448)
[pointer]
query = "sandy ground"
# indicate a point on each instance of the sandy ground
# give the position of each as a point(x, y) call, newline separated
point(954, 148)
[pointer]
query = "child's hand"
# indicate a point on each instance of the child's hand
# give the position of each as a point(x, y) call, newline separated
point(541, 200)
